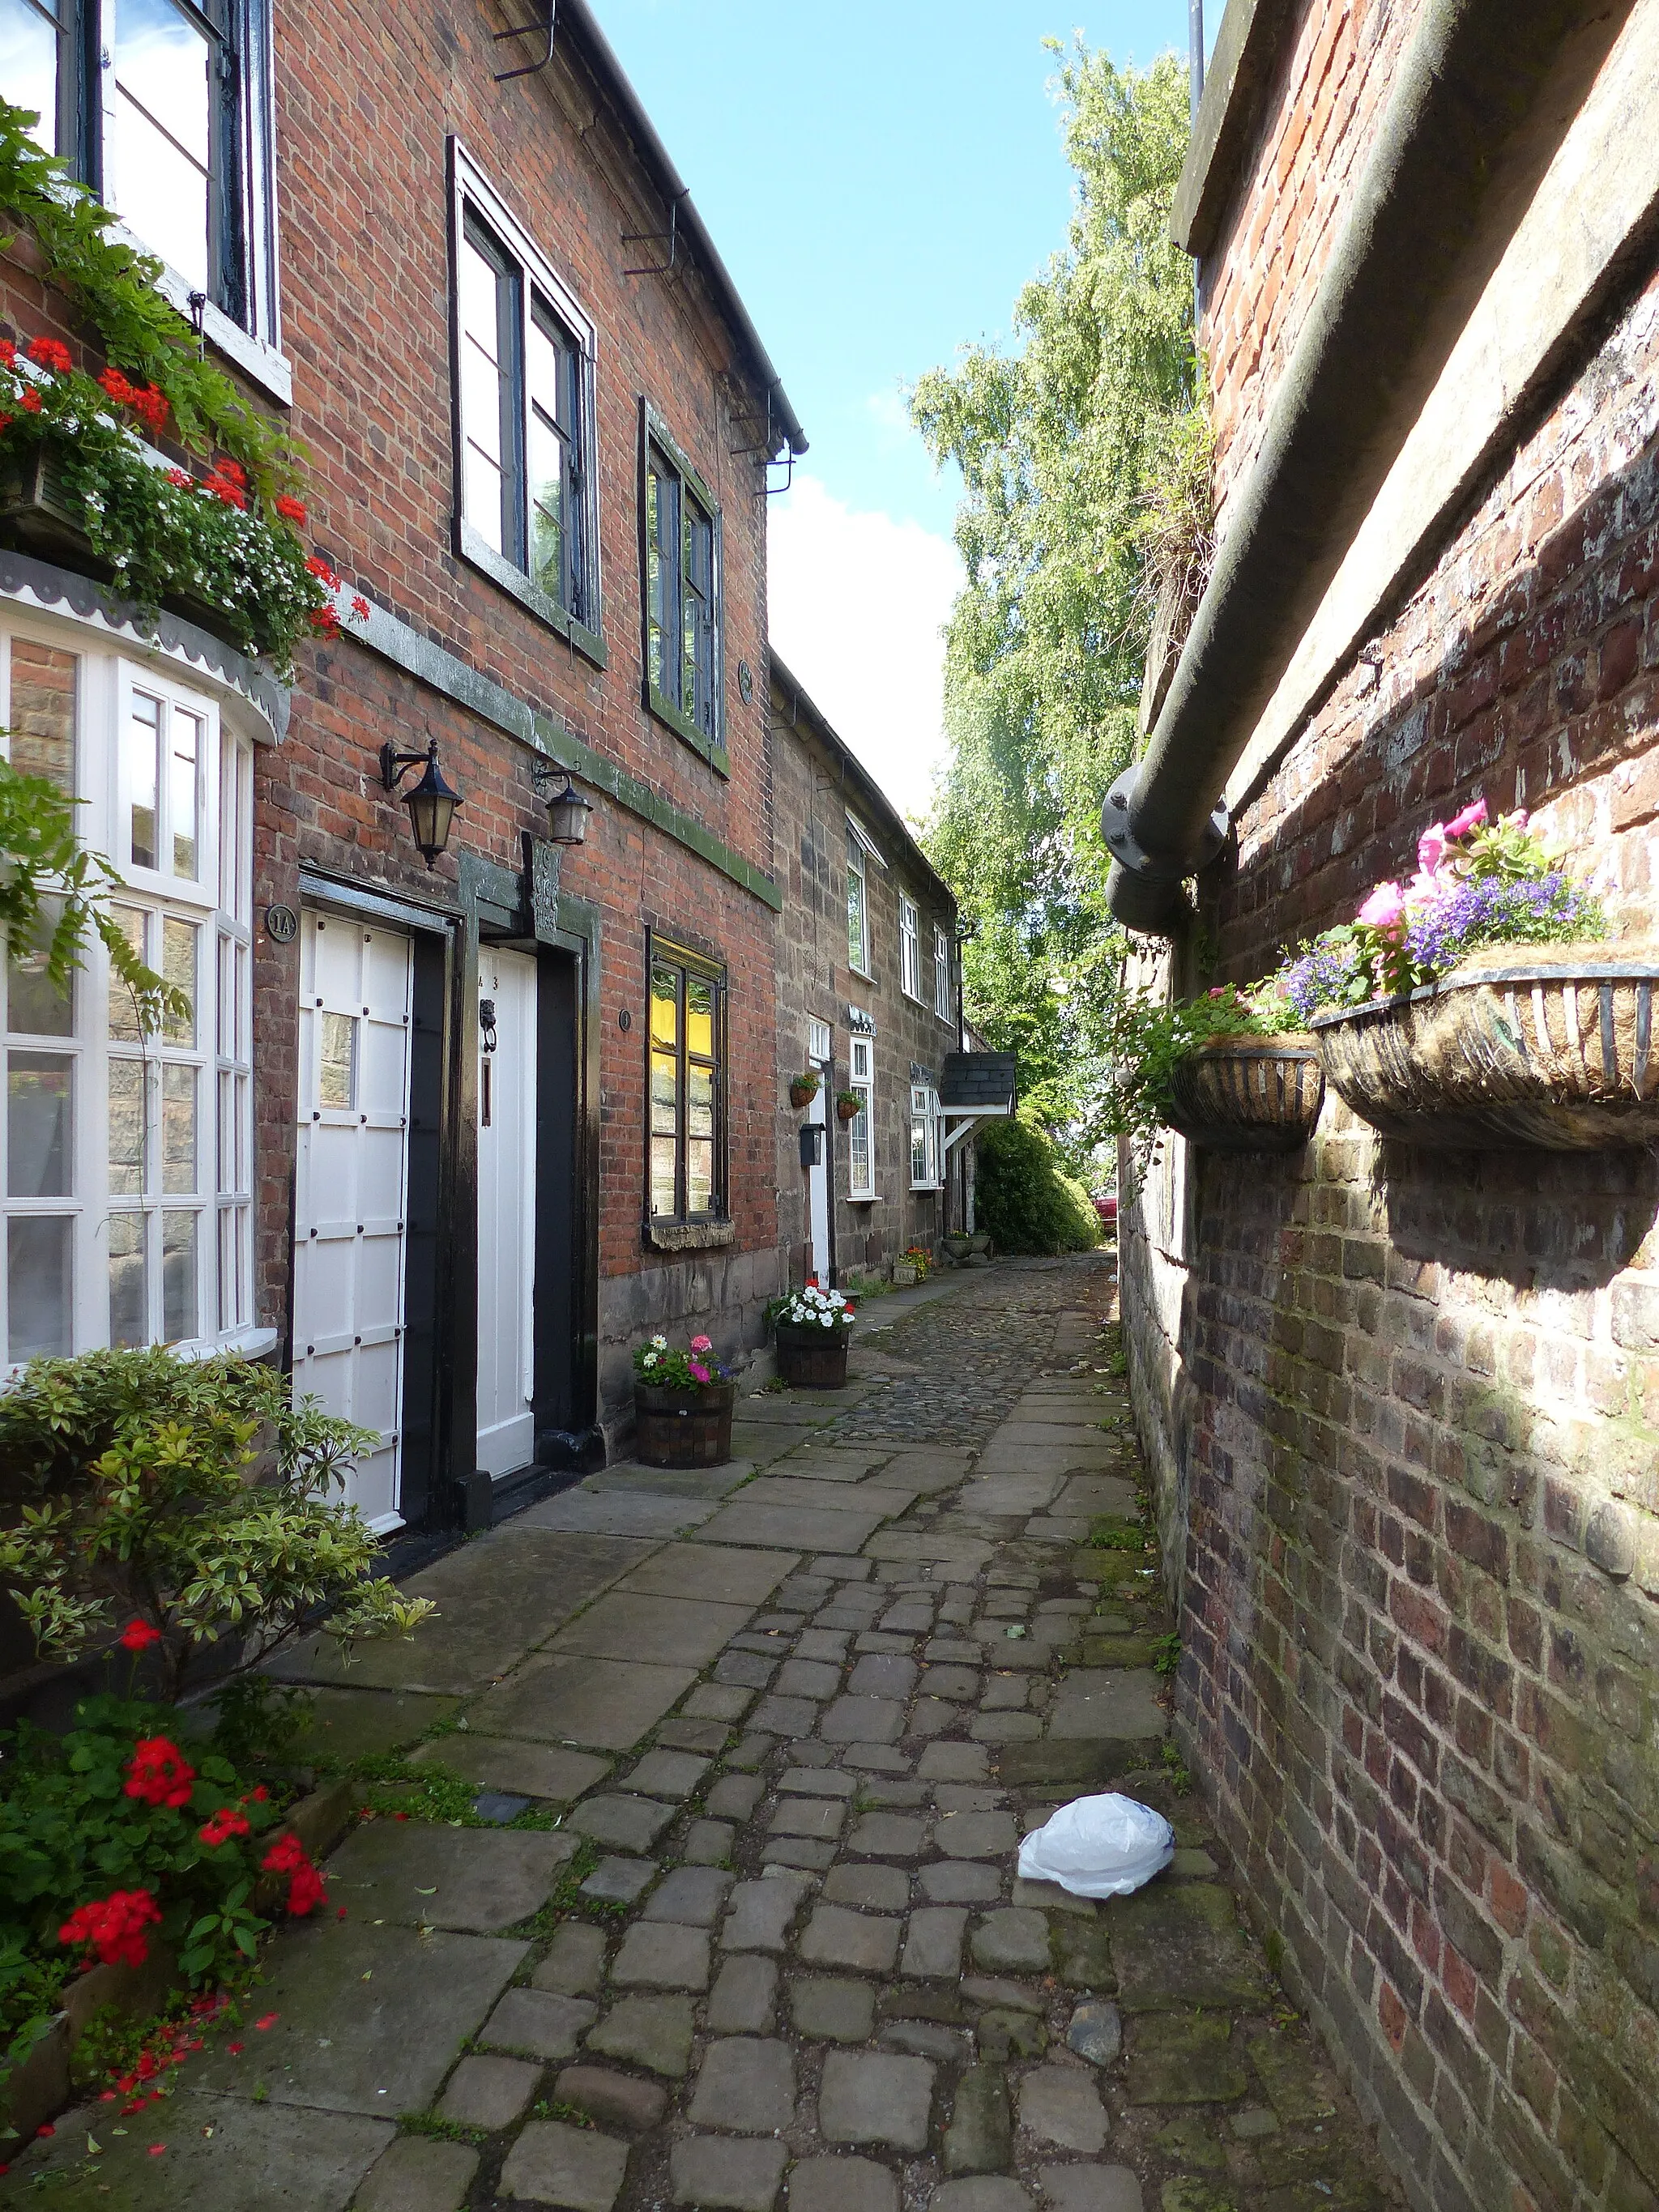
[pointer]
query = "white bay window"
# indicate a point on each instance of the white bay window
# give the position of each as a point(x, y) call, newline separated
point(129, 1169)
point(860, 1155)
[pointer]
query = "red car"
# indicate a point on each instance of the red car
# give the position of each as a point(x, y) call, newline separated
point(1107, 1209)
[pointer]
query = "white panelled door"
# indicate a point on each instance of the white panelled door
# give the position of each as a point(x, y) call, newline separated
point(506, 1213)
point(351, 1188)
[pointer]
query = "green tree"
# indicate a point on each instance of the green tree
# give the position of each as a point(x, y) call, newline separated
point(1085, 456)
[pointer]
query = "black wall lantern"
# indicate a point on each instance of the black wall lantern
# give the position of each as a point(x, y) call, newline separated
point(431, 802)
point(567, 809)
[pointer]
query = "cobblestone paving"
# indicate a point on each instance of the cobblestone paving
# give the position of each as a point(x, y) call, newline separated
point(775, 1951)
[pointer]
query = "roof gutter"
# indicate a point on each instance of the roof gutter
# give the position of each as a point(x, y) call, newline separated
point(1373, 343)
point(577, 15)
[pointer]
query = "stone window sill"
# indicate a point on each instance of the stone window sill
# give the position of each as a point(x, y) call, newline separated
point(690, 1235)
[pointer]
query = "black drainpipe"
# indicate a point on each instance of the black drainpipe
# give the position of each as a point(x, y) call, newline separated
point(1376, 337)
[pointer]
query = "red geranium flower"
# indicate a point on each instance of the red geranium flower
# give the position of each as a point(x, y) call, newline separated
point(286, 1855)
point(360, 607)
point(291, 509)
point(51, 353)
point(8, 354)
point(226, 1822)
point(149, 404)
point(114, 1926)
point(159, 1773)
point(138, 1636)
point(182, 478)
point(319, 569)
point(116, 386)
point(29, 400)
point(306, 1892)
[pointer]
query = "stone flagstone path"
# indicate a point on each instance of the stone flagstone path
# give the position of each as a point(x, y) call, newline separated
point(794, 1715)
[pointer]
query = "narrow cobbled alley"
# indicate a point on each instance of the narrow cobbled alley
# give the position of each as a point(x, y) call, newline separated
point(793, 1716)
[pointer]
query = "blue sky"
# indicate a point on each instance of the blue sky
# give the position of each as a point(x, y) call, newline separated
point(881, 180)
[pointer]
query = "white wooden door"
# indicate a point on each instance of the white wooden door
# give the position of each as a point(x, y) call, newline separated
point(351, 1189)
point(506, 1213)
point(818, 1177)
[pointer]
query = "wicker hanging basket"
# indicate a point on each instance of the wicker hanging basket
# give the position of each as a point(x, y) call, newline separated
point(1544, 1045)
point(1248, 1094)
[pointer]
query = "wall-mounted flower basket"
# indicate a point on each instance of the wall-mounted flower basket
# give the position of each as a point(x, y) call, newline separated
point(848, 1105)
point(804, 1089)
point(1245, 1094)
point(1544, 1045)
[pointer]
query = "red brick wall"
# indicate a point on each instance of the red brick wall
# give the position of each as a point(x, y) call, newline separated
point(1405, 1404)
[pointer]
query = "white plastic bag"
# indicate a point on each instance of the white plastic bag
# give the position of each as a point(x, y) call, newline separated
point(1099, 1847)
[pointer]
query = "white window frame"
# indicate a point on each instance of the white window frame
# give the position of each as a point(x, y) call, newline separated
point(926, 1119)
point(583, 626)
point(862, 1129)
point(941, 972)
point(910, 948)
point(216, 901)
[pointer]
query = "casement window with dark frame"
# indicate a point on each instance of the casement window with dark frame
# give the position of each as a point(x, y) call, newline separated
point(686, 1163)
point(526, 490)
point(162, 108)
point(680, 579)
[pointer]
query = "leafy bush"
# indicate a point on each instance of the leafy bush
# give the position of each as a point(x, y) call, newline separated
point(116, 1832)
point(1024, 1198)
point(185, 1502)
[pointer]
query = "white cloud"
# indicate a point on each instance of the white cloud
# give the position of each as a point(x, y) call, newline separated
point(859, 604)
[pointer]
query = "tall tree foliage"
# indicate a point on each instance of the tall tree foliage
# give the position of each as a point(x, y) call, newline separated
point(1077, 444)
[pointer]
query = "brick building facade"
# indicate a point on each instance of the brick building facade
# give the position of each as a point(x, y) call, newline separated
point(539, 425)
point(869, 988)
point(1401, 1404)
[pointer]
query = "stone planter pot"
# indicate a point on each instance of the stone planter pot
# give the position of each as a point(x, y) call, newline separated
point(956, 1247)
point(1538, 1045)
point(904, 1275)
point(1248, 1095)
point(683, 1428)
point(812, 1358)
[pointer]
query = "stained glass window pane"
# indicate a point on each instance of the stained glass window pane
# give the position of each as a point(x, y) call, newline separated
point(38, 1284)
point(40, 1155)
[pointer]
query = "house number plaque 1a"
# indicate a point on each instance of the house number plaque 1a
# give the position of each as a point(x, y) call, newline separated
point(281, 924)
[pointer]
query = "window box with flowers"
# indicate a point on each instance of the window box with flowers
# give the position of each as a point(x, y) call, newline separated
point(80, 484)
point(813, 1327)
point(683, 1404)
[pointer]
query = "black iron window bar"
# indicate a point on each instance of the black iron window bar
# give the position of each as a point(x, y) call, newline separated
point(540, 27)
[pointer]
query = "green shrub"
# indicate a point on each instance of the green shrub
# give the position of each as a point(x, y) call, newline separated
point(1024, 1196)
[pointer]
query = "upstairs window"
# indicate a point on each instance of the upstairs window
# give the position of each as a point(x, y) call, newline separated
point(857, 908)
point(686, 1082)
point(524, 357)
point(941, 973)
point(162, 108)
point(680, 575)
point(910, 949)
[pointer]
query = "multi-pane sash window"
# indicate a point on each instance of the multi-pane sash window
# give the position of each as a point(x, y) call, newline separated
point(525, 411)
point(861, 1158)
point(910, 949)
point(687, 1089)
point(941, 973)
point(858, 908)
point(680, 531)
point(925, 1137)
point(129, 1171)
point(157, 104)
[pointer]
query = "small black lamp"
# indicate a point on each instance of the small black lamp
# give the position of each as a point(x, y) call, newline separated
point(566, 814)
point(431, 802)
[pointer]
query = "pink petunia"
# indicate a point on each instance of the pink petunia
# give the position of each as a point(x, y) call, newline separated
point(1470, 819)
point(699, 1373)
point(1383, 908)
point(1432, 848)
point(702, 1344)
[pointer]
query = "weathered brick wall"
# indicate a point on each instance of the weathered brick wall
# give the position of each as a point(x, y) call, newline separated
point(813, 978)
point(1313, 130)
point(1414, 1400)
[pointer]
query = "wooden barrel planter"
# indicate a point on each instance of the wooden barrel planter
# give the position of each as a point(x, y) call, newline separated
point(1248, 1094)
point(1546, 1046)
point(684, 1428)
point(812, 1358)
